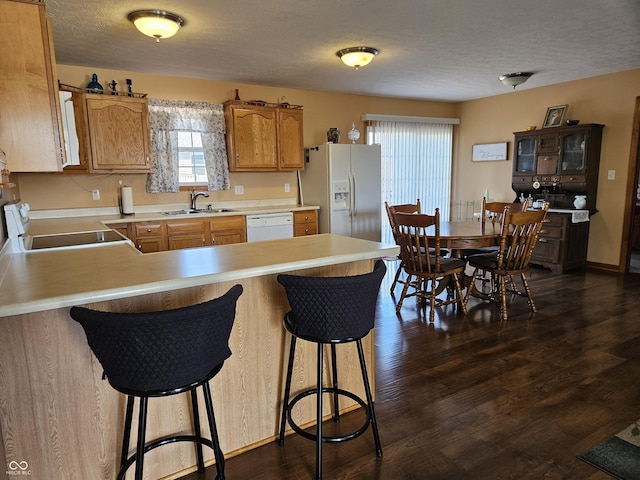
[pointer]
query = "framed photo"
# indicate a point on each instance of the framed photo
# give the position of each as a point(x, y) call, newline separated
point(489, 151)
point(554, 116)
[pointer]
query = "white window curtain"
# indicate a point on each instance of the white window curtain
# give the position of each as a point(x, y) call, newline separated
point(166, 119)
point(416, 163)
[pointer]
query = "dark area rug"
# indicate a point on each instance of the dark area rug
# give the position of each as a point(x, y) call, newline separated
point(619, 456)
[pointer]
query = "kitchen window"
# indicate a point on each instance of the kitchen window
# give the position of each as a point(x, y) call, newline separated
point(191, 166)
point(187, 146)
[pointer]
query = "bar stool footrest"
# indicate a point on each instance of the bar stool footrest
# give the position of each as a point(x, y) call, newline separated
point(328, 438)
point(160, 442)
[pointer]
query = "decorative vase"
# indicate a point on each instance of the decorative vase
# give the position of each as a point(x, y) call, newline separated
point(580, 202)
point(94, 86)
point(354, 133)
point(333, 135)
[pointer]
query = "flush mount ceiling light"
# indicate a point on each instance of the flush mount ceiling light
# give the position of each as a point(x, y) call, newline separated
point(357, 57)
point(514, 79)
point(156, 23)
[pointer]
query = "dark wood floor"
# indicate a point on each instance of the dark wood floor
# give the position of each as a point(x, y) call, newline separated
point(471, 397)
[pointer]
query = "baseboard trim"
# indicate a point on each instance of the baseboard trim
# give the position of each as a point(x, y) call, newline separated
point(604, 267)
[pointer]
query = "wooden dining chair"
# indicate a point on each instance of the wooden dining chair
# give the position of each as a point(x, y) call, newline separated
point(391, 210)
point(419, 240)
point(518, 237)
point(493, 213)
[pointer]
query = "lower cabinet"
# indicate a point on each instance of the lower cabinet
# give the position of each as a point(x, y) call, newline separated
point(186, 234)
point(148, 237)
point(225, 230)
point(562, 245)
point(305, 222)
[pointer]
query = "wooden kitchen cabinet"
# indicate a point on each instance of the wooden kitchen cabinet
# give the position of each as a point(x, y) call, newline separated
point(148, 237)
point(112, 130)
point(186, 234)
point(264, 137)
point(30, 119)
point(291, 142)
point(305, 222)
point(555, 164)
point(158, 236)
point(226, 230)
point(562, 245)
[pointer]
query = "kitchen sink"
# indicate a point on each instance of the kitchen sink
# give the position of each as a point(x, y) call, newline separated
point(196, 212)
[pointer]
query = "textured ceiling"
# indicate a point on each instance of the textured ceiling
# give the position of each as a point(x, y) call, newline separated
point(448, 50)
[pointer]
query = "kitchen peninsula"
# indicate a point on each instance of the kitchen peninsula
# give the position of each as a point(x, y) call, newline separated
point(61, 418)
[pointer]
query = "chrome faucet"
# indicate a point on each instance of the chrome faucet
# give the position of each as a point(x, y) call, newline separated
point(194, 197)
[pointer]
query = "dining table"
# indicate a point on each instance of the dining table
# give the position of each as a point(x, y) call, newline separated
point(458, 236)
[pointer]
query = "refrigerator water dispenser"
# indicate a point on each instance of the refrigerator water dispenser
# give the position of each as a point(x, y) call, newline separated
point(340, 196)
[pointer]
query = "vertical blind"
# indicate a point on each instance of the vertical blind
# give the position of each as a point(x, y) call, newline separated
point(416, 163)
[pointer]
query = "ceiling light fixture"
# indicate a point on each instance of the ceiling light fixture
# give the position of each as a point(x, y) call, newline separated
point(514, 79)
point(156, 23)
point(357, 57)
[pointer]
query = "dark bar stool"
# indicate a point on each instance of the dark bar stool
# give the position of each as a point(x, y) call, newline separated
point(156, 354)
point(330, 310)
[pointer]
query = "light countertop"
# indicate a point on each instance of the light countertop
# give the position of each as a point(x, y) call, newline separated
point(46, 222)
point(44, 280)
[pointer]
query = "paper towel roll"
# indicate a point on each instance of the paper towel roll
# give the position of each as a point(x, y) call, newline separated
point(127, 200)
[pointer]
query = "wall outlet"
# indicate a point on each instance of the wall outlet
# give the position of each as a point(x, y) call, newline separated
point(239, 190)
point(95, 193)
point(611, 175)
point(287, 187)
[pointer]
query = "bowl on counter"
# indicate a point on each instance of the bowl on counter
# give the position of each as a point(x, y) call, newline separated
point(573, 122)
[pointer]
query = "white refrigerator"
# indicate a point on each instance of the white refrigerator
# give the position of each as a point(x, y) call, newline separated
point(344, 180)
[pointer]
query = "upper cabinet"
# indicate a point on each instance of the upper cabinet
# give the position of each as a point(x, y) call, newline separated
point(264, 137)
point(112, 133)
point(30, 122)
point(557, 163)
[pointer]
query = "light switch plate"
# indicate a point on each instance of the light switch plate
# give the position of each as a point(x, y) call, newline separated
point(611, 175)
point(239, 190)
point(95, 193)
point(287, 187)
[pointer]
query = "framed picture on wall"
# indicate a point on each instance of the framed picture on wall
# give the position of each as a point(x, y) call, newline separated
point(489, 151)
point(554, 116)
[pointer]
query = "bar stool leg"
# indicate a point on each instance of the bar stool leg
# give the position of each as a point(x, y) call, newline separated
point(287, 390)
point(319, 414)
point(334, 368)
point(367, 389)
point(196, 428)
point(142, 426)
point(217, 451)
point(126, 436)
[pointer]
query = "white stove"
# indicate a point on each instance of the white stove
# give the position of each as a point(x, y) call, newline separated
point(18, 222)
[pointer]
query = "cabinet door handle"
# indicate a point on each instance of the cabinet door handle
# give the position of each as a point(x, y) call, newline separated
point(543, 232)
point(542, 240)
point(148, 230)
point(546, 220)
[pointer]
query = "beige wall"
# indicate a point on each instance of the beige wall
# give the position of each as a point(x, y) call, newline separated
point(606, 99)
point(321, 111)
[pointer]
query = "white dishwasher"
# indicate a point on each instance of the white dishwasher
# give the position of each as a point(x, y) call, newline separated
point(269, 226)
